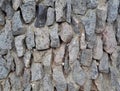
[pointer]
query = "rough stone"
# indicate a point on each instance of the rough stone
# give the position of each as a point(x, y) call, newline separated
point(109, 40)
point(47, 83)
point(59, 54)
point(49, 3)
point(16, 4)
point(104, 63)
point(6, 37)
point(25, 1)
point(112, 10)
point(86, 57)
point(71, 87)
point(36, 71)
point(60, 10)
point(66, 65)
point(79, 6)
point(28, 10)
point(54, 37)
point(118, 30)
point(6, 85)
point(59, 79)
point(92, 4)
point(30, 42)
point(69, 11)
point(50, 16)
point(118, 60)
point(88, 85)
point(17, 25)
point(42, 39)
point(19, 44)
point(78, 74)
point(66, 32)
point(94, 70)
point(73, 49)
point(27, 59)
point(3, 69)
point(41, 16)
point(98, 49)
point(37, 86)
point(101, 15)
point(2, 18)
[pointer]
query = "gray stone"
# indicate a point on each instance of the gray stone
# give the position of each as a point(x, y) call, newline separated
point(60, 10)
point(25, 1)
point(2, 18)
point(19, 44)
point(50, 16)
point(69, 11)
point(6, 37)
point(27, 59)
point(49, 3)
point(3, 69)
point(18, 64)
point(104, 63)
point(101, 15)
point(15, 82)
point(6, 85)
point(16, 4)
point(1, 3)
point(59, 54)
point(78, 74)
point(112, 10)
point(89, 21)
point(71, 87)
point(118, 29)
point(54, 37)
point(47, 83)
point(94, 70)
point(98, 49)
point(17, 26)
point(66, 32)
point(36, 71)
point(30, 42)
point(109, 39)
point(59, 79)
point(37, 86)
point(118, 61)
point(88, 85)
point(41, 16)
point(79, 6)
point(42, 39)
point(66, 64)
point(28, 10)
point(73, 49)
point(86, 57)
point(3, 51)
point(92, 4)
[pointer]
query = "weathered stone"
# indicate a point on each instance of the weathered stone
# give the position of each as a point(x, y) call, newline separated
point(41, 16)
point(6, 37)
point(66, 32)
point(118, 30)
point(3, 69)
point(17, 26)
point(59, 79)
point(25, 1)
point(16, 4)
point(104, 63)
point(36, 71)
point(1, 3)
point(94, 70)
point(15, 82)
point(2, 18)
point(71, 87)
point(6, 85)
point(54, 37)
point(3, 51)
point(19, 44)
point(49, 2)
point(50, 16)
point(27, 59)
point(30, 42)
point(73, 49)
point(79, 6)
point(69, 11)
point(78, 74)
point(101, 15)
point(117, 61)
point(59, 54)
point(66, 65)
point(86, 57)
point(112, 10)
point(92, 4)
point(47, 83)
point(88, 85)
point(109, 39)
point(28, 10)
point(37, 86)
point(18, 64)
point(60, 10)
point(89, 21)
point(98, 49)
point(42, 38)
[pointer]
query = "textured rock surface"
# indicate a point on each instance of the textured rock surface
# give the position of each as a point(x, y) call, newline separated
point(59, 45)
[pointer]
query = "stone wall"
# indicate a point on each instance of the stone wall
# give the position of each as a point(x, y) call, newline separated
point(59, 45)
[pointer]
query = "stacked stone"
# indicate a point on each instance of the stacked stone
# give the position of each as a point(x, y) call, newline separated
point(59, 45)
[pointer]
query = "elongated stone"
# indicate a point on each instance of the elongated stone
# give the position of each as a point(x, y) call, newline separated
point(16, 4)
point(92, 4)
